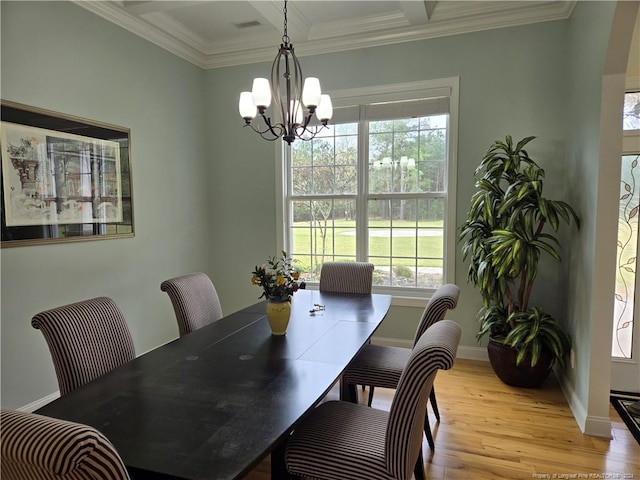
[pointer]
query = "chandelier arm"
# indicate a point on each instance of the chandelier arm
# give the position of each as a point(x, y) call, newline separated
point(311, 132)
point(297, 91)
point(291, 114)
point(270, 130)
point(275, 87)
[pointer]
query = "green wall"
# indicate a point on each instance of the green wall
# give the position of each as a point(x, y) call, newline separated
point(593, 135)
point(512, 80)
point(203, 186)
point(58, 56)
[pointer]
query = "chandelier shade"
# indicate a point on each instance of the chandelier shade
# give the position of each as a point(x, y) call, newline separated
point(296, 99)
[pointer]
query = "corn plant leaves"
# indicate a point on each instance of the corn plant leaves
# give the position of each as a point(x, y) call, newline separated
point(502, 239)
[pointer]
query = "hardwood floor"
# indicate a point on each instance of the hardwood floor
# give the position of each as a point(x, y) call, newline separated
point(489, 430)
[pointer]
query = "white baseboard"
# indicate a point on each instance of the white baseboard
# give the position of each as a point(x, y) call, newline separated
point(473, 353)
point(468, 353)
point(588, 424)
point(40, 403)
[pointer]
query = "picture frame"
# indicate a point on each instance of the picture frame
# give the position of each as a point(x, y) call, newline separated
point(64, 178)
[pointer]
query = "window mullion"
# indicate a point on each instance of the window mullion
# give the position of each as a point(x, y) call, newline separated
point(362, 216)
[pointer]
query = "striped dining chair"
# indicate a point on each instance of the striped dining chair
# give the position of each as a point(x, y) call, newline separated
point(346, 277)
point(382, 365)
point(341, 440)
point(194, 299)
point(86, 340)
point(38, 447)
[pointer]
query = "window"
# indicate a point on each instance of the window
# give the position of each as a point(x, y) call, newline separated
point(627, 244)
point(377, 186)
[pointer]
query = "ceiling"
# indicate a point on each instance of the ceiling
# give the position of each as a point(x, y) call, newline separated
point(222, 33)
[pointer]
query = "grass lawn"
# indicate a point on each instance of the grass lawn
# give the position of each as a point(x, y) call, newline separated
point(400, 242)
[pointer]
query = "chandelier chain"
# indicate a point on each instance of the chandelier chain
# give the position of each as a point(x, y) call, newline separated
point(285, 37)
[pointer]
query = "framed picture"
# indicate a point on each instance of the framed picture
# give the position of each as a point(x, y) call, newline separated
point(64, 178)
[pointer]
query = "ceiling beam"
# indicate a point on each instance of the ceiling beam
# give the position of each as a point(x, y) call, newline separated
point(416, 13)
point(430, 5)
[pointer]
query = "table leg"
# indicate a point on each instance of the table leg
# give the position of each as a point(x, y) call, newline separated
point(348, 392)
point(278, 467)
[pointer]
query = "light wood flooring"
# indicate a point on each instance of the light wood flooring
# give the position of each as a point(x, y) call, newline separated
point(489, 430)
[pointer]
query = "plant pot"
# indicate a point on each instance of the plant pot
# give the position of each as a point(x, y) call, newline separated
point(278, 314)
point(503, 361)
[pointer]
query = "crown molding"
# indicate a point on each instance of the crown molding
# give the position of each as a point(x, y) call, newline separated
point(328, 38)
point(113, 13)
point(364, 25)
point(182, 35)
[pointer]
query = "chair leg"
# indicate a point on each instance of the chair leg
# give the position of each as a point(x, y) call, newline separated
point(370, 399)
point(427, 432)
point(348, 391)
point(434, 404)
point(418, 470)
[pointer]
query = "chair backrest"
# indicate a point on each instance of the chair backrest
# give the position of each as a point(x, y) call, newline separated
point(435, 350)
point(86, 340)
point(195, 301)
point(346, 277)
point(43, 448)
point(443, 299)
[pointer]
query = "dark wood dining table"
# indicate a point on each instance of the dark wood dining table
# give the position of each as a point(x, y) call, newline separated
point(212, 404)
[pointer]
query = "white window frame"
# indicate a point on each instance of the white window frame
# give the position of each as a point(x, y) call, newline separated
point(385, 93)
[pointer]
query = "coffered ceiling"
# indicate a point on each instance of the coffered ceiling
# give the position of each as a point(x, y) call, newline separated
point(221, 33)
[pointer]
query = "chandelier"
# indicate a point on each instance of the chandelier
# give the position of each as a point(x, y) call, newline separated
point(292, 121)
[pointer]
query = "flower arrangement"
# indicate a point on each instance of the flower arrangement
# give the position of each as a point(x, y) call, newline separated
point(278, 278)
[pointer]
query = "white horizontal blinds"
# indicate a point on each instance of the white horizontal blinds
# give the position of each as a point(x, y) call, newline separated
point(390, 110)
point(410, 109)
point(348, 114)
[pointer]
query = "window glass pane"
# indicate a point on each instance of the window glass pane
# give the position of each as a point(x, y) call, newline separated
point(407, 155)
point(346, 179)
point(631, 114)
point(322, 230)
point(301, 180)
point(323, 153)
point(347, 129)
point(301, 155)
point(430, 273)
point(323, 180)
point(627, 258)
point(433, 178)
point(327, 165)
point(406, 241)
point(434, 121)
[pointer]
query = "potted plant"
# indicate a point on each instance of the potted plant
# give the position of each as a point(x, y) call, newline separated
point(509, 226)
point(279, 281)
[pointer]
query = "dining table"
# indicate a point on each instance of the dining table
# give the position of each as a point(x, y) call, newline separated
point(211, 405)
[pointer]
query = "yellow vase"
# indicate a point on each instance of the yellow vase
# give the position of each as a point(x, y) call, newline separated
point(278, 313)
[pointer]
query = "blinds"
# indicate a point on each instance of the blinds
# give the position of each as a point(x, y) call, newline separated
point(392, 110)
